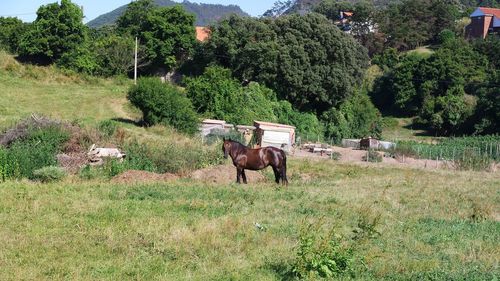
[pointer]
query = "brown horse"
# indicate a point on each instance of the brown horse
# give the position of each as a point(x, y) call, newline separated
point(255, 159)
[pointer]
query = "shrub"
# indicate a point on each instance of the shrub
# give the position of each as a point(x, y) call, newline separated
point(107, 127)
point(88, 173)
point(217, 135)
point(321, 255)
point(307, 124)
point(163, 104)
point(49, 174)
point(357, 117)
point(36, 150)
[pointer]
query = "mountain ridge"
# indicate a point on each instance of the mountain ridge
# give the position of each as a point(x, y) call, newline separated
point(205, 13)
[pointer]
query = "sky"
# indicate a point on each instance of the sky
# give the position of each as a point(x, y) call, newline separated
point(26, 9)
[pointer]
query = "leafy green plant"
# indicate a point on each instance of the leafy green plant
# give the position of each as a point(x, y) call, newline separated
point(321, 255)
point(107, 127)
point(36, 150)
point(367, 222)
point(163, 104)
point(49, 174)
point(88, 173)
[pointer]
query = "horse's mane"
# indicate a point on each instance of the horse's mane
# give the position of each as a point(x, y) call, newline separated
point(237, 142)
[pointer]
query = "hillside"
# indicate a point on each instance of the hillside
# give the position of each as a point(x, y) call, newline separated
point(303, 6)
point(205, 13)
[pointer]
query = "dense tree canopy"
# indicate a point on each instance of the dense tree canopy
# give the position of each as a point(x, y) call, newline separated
point(409, 24)
point(11, 30)
point(438, 87)
point(166, 33)
point(216, 94)
point(58, 29)
point(305, 59)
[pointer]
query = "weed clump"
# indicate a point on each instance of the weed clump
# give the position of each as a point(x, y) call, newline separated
point(31, 149)
point(49, 174)
point(322, 255)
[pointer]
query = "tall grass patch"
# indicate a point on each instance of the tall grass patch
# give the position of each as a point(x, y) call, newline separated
point(36, 150)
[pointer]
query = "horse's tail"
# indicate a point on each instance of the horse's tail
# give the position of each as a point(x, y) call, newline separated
point(283, 168)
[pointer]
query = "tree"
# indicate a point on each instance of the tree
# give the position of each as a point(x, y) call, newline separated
point(163, 104)
point(58, 29)
point(356, 117)
point(304, 59)
point(409, 24)
point(134, 19)
point(167, 33)
point(361, 24)
point(487, 113)
point(215, 94)
point(11, 30)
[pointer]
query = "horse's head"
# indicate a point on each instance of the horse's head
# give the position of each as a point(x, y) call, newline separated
point(226, 147)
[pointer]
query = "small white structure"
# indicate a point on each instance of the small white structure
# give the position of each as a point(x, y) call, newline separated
point(273, 134)
point(96, 155)
point(208, 125)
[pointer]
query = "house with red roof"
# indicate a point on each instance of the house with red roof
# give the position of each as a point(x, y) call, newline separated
point(484, 21)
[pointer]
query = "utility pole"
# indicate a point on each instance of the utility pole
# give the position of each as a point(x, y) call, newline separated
point(135, 63)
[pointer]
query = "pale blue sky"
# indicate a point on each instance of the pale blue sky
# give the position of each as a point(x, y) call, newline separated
point(26, 9)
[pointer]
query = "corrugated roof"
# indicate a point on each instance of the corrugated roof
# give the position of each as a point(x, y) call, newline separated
point(269, 124)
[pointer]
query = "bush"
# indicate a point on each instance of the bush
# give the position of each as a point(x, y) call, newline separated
point(357, 117)
point(36, 150)
point(217, 135)
point(307, 124)
point(163, 104)
point(49, 174)
point(321, 255)
point(107, 127)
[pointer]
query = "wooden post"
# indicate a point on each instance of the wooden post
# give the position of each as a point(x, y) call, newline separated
point(135, 62)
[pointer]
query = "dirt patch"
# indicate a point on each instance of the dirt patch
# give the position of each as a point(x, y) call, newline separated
point(72, 162)
point(350, 155)
point(134, 176)
point(225, 174)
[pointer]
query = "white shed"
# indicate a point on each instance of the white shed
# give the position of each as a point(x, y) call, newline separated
point(277, 135)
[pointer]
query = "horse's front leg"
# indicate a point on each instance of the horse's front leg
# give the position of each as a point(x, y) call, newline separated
point(238, 174)
point(244, 176)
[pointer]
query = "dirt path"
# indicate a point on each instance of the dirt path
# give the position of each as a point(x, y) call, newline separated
point(349, 155)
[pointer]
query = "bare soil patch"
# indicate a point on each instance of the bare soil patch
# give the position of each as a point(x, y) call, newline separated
point(350, 155)
point(135, 176)
point(224, 174)
point(72, 162)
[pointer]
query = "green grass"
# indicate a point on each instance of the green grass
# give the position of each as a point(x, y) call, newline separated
point(188, 230)
point(87, 102)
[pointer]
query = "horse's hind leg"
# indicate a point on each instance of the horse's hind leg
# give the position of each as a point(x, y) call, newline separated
point(276, 174)
point(244, 176)
point(284, 179)
point(238, 174)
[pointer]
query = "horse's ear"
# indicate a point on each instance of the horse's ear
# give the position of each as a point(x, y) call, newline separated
point(223, 138)
point(229, 139)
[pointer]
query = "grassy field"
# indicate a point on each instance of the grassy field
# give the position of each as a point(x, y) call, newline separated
point(438, 225)
point(392, 224)
point(44, 90)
